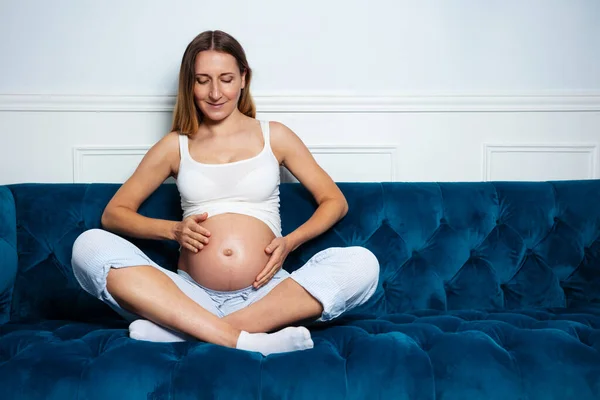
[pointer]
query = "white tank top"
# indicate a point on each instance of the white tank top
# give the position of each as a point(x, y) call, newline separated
point(249, 187)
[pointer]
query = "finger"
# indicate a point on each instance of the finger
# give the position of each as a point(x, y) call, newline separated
point(259, 285)
point(270, 274)
point(262, 282)
point(263, 273)
point(200, 217)
point(196, 244)
point(273, 262)
point(200, 229)
point(271, 247)
point(266, 270)
point(267, 278)
point(190, 248)
point(200, 238)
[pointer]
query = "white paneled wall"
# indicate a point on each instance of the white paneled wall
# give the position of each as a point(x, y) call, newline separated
point(87, 146)
point(381, 90)
point(529, 162)
point(345, 163)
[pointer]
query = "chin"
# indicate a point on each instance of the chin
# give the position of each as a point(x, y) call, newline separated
point(216, 115)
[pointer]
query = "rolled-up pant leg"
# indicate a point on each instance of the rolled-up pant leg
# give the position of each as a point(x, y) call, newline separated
point(96, 251)
point(340, 278)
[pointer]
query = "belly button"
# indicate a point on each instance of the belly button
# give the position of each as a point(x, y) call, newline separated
point(228, 252)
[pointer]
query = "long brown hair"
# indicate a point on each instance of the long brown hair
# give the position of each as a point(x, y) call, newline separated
point(187, 117)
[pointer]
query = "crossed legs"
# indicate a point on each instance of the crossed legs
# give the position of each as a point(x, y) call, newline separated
point(174, 313)
point(116, 272)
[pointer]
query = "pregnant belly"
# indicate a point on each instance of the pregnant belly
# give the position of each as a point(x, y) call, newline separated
point(234, 256)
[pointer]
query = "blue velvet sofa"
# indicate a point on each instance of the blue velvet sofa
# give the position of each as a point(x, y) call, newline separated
point(487, 291)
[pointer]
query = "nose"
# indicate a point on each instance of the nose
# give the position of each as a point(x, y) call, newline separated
point(214, 93)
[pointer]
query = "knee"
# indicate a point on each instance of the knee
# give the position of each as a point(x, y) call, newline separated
point(364, 265)
point(86, 256)
point(85, 247)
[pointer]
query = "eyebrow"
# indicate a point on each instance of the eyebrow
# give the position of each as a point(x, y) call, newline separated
point(224, 73)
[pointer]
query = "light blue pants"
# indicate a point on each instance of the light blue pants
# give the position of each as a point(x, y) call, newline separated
point(340, 278)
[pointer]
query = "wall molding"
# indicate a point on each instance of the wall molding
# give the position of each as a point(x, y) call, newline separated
point(81, 152)
point(591, 149)
point(390, 150)
point(321, 103)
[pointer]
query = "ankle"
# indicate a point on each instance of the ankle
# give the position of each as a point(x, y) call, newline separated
point(243, 325)
point(232, 337)
point(237, 323)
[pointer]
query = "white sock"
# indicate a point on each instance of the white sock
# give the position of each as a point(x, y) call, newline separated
point(143, 329)
point(288, 339)
point(285, 340)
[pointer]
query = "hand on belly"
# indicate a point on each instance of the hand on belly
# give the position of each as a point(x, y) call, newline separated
point(234, 256)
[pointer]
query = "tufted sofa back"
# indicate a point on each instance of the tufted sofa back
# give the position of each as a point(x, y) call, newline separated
point(501, 245)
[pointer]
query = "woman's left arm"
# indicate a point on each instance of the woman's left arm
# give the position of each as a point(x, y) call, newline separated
point(332, 205)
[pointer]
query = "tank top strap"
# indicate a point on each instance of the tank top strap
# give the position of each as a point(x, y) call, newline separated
point(183, 146)
point(264, 125)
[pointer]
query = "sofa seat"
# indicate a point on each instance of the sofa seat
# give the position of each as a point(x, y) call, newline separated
point(487, 290)
point(420, 355)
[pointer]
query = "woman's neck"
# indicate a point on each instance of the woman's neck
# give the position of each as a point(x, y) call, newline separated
point(226, 125)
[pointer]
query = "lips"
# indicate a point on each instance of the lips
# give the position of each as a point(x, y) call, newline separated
point(215, 105)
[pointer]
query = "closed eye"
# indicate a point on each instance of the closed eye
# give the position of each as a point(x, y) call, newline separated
point(206, 81)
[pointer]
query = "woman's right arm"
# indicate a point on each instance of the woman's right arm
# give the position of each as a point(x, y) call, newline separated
point(121, 216)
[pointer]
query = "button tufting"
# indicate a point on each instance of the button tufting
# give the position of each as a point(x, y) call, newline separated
point(442, 220)
point(415, 253)
point(555, 219)
point(528, 251)
point(497, 222)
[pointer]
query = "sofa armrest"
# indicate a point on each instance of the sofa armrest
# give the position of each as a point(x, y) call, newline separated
point(8, 251)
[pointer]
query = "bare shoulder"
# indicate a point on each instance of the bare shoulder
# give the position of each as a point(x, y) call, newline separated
point(279, 131)
point(167, 150)
point(169, 142)
point(284, 141)
point(291, 151)
point(160, 162)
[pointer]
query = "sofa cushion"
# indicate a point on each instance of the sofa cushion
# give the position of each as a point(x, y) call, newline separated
point(445, 246)
point(535, 354)
point(49, 219)
point(8, 251)
point(66, 360)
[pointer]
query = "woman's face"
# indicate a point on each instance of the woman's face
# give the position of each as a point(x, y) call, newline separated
point(217, 84)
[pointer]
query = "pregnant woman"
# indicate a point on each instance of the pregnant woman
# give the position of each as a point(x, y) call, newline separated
point(230, 288)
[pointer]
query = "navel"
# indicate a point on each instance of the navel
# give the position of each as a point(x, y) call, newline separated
point(228, 252)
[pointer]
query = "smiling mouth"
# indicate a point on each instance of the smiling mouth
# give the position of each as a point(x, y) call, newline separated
point(215, 105)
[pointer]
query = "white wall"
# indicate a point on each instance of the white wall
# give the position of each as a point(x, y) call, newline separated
point(379, 90)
